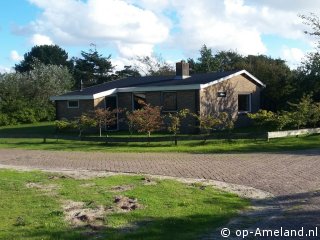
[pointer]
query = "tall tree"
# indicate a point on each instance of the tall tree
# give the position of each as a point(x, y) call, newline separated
point(127, 71)
point(25, 96)
point(154, 66)
point(46, 54)
point(92, 68)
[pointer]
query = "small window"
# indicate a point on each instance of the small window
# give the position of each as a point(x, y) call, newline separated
point(244, 103)
point(169, 101)
point(138, 100)
point(73, 104)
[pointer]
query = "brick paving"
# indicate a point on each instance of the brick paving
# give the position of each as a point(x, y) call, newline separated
point(277, 173)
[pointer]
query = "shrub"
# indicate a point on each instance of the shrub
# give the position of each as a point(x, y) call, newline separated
point(146, 120)
point(4, 120)
point(175, 122)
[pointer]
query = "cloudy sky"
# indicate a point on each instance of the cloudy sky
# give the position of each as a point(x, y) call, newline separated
point(176, 29)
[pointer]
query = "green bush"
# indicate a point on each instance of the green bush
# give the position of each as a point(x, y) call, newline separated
point(25, 115)
point(4, 119)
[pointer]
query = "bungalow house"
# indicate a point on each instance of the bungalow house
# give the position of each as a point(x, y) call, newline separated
point(236, 92)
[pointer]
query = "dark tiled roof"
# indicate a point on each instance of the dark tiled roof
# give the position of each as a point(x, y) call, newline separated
point(152, 81)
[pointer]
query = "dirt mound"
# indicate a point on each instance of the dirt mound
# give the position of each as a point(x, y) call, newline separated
point(148, 181)
point(126, 204)
point(79, 214)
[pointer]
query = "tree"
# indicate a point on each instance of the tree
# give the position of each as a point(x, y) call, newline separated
point(83, 122)
point(308, 73)
point(315, 114)
point(92, 68)
point(301, 111)
point(25, 96)
point(45, 54)
point(147, 119)
point(207, 123)
point(175, 122)
point(154, 66)
point(128, 71)
point(105, 117)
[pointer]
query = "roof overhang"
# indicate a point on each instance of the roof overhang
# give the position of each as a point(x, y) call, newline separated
point(156, 88)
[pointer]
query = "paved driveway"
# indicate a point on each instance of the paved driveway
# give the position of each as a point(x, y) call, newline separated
point(278, 173)
point(293, 177)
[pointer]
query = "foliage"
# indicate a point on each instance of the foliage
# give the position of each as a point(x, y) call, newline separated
point(207, 123)
point(105, 117)
point(227, 121)
point(25, 96)
point(128, 71)
point(146, 120)
point(45, 54)
point(62, 124)
point(315, 114)
point(263, 118)
point(4, 120)
point(83, 123)
point(153, 66)
point(301, 111)
point(92, 68)
point(175, 121)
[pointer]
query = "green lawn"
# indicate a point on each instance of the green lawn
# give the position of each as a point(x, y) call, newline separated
point(196, 146)
point(31, 207)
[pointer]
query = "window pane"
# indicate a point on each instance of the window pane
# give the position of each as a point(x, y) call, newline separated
point(73, 104)
point(243, 103)
point(138, 100)
point(169, 101)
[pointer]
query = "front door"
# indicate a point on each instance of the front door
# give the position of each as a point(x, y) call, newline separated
point(111, 103)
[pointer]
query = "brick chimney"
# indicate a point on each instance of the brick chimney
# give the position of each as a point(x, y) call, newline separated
point(182, 70)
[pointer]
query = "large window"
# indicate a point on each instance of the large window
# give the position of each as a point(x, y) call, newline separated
point(169, 101)
point(73, 104)
point(244, 103)
point(138, 100)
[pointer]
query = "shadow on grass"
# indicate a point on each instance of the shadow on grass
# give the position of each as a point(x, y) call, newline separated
point(184, 228)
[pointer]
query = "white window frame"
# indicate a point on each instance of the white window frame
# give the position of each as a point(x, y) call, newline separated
point(250, 103)
point(68, 103)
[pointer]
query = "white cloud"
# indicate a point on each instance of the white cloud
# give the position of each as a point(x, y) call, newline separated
point(135, 27)
point(39, 39)
point(102, 22)
point(14, 56)
point(4, 69)
point(293, 56)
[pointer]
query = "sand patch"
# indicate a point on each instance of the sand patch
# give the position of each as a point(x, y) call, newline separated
point(48, 189)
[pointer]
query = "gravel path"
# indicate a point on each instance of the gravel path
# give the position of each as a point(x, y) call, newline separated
point(292, 177)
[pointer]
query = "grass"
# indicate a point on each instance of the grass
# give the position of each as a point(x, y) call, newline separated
point(198, 146)
point(171, 210)
point(211, 146)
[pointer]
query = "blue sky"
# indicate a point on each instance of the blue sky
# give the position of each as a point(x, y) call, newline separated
point(176, 29)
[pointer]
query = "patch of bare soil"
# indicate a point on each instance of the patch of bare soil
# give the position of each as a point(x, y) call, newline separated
point(91, 216)
point(47, 189)
point(126, 204)
point(149, 181)
point(79, 214)
point(121, 188)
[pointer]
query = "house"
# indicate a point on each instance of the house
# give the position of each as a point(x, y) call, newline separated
point(236, 92)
